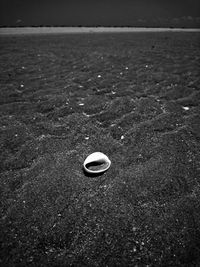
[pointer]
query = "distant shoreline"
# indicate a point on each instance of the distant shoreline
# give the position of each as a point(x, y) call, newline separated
point(51, 30)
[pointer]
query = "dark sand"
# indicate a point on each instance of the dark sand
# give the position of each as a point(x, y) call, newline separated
point(133, 96)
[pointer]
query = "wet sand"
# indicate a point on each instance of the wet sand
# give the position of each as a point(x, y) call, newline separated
point(134, 97)
point(70, 30)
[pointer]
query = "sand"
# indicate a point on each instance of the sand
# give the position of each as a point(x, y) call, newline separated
point(134, 97)
point(70, 30)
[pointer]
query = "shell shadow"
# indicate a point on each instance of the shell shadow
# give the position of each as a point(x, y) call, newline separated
point(92, 174)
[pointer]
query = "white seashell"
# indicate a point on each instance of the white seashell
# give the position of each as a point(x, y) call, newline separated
point(96, 162)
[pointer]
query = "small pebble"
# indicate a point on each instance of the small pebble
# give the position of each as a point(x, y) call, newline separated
point(186, 108)
point(41, 137)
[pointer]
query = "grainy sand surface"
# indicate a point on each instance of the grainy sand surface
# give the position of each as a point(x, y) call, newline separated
point(133, 96)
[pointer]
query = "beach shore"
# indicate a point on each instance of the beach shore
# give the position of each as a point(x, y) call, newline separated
point(48, 30)
point(133, 96)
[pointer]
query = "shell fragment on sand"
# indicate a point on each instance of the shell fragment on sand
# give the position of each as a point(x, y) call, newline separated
point(96, 162)
point(186, 108)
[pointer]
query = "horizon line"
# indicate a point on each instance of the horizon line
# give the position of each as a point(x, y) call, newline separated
point(87, 29)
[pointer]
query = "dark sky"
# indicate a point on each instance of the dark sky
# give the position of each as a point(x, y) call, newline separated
point(184, 13)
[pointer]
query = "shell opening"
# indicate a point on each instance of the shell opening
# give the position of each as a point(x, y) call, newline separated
point(97, 165)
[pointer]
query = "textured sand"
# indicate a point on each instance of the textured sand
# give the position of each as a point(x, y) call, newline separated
point(133, 96)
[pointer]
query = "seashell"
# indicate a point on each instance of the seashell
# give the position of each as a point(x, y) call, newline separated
point(96, 162)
